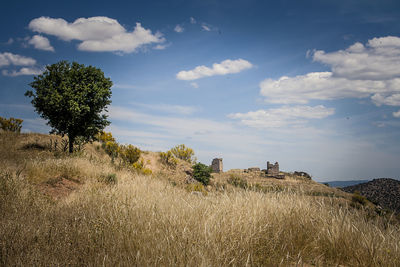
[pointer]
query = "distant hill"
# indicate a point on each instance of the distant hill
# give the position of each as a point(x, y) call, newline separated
point(345, 183)
point(384, 192)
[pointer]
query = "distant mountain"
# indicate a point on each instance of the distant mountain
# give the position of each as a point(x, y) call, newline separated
point(345, 183)
point(384, 192)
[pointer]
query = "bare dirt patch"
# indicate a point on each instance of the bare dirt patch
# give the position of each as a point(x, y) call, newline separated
point(58, 188)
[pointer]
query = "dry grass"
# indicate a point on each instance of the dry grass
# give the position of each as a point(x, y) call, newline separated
point(145, 220)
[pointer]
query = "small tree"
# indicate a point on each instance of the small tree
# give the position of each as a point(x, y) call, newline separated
point(72, 97)
point(202, 173)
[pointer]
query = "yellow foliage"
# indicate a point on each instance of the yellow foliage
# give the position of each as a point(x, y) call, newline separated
point(130, 153)
point(11, 124)
point(105, 137)
point(168, 158)
point(184, 153)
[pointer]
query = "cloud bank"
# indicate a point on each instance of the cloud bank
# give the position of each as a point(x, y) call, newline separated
point(225, 67)
point(282, 116)
point(97, 33)
point(360, 71)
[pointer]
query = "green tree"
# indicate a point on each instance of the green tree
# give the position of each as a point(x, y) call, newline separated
point(72, 98)
point(202, 173)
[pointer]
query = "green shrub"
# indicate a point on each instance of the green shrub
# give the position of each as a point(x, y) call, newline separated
point(202, 173)
point(357, 198)
point(130, 153)
point(111, 148)
point(184, 153)
point(237, 181)
point(11, 124)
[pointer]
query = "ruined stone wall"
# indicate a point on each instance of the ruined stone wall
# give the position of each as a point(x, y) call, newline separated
point(272, 169)
point(216, 165)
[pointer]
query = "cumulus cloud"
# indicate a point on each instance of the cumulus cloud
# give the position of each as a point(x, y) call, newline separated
point(378, 60)
point(194, 85)
point(41, 43)
point(282, 116)
point(178, 28)
point(360, 71)
point(225, 67)
point(7, 59)
point(23, 71)
point(390, 100)
point(321, 86)
point(97, 33)
point(396, 114)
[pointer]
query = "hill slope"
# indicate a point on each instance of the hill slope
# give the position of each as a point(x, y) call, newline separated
point(108, 214)
point(384, 192)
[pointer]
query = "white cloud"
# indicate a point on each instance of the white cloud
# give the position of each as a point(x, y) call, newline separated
point(178, 28)
point(10, 41)
point(396, 114)
point(41, 43)
point(321, 86)
point(205, 27)
point(23, 71)
point(391, 100)
point(97, 33)
point(192, 20)
point(379, 59)
point(194, 85)
point(283, 116)
point(7, 59)
point(160, 47)
point(225, 67)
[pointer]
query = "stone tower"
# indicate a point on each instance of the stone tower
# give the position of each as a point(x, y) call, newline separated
point(216, 165)
point(272, 169)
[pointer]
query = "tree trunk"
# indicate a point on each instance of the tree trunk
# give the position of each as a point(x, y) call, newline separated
point(71, 140)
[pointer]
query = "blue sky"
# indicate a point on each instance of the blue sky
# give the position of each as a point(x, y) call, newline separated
point(314, 85)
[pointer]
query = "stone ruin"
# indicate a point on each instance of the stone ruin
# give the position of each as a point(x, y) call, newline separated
point(272, 169)
point(216, 165)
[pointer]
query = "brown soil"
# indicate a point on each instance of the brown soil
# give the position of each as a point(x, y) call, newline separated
point(58, 188)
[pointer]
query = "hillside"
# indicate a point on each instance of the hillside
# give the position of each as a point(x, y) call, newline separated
point(88, 209)
point(384, 192)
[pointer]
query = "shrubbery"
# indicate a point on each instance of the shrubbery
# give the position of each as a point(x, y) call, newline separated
point(237, 181)
point(202, 173)
point(184, 153)
point(11, 124)
point(168, 159)
point(130, 153)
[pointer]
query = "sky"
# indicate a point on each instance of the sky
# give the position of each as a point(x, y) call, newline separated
point(314, 85)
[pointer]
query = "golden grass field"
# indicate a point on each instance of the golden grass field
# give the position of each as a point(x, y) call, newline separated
point(57, 210)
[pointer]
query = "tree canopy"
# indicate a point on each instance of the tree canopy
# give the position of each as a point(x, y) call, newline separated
point(73, 99)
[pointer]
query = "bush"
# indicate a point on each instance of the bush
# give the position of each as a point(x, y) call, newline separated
point(202, 173)
point(198, 187)
point(357, 198)
point(184, 153)
point(168, 159)
point(130, 153)
point(11, 124)
point(237, 181)
point(111, 149)
point(104, 137)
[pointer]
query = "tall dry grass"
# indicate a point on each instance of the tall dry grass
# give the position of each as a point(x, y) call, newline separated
point(145, 220)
